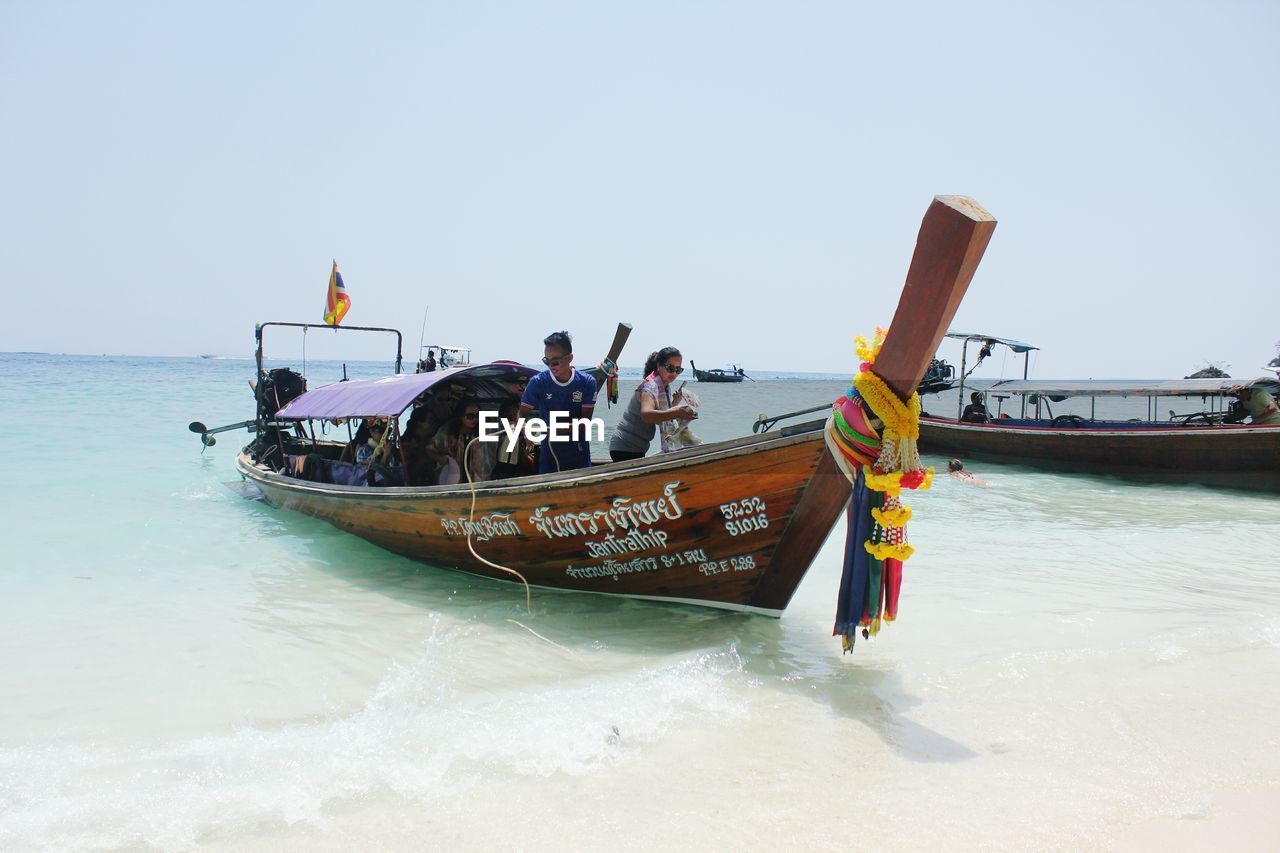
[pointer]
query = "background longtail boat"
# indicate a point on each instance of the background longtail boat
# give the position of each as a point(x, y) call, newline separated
point(734, 524)
point(1212, 447)
point(717, 374)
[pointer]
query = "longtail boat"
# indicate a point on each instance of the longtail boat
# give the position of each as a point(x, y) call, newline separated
point(1211, 447)
point(733, 524)
point(719, 374)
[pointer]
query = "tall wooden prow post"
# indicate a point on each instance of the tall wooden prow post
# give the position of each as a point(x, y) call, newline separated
point(953, 236)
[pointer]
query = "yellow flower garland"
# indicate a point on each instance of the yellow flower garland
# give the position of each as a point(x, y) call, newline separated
point(900, 419)
point(893, 517)
point(886, 550)
point(890, 484)
point(868, 351)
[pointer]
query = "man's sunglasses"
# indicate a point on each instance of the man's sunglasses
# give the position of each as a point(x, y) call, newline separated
point(555, 362)
point(676, 370)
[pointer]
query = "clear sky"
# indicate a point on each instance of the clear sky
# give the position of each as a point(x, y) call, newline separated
point(742, 180)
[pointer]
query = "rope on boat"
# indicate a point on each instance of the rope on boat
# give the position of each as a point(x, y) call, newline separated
point(570, 652)
point(466, 470)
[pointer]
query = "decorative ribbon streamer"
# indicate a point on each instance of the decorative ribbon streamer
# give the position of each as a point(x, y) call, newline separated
point(872, 435)
point(610, 370)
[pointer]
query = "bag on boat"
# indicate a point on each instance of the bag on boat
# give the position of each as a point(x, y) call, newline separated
point(682, 436)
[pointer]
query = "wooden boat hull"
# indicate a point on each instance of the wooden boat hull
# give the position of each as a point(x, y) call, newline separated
point(1237, 456)
point(732, 525)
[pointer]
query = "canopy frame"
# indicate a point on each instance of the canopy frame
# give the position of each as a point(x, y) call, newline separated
point(258, 330)
point(988, 341)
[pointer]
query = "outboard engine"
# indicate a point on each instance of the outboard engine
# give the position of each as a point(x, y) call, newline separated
point(276, 388)
point(938, 377)
point(1236, 412)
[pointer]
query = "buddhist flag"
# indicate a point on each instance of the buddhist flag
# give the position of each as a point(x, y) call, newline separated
point(337, 303)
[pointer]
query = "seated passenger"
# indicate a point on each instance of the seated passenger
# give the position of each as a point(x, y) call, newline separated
point(452, 440)
point(361, 436)
point(423, 469)
point(376, 447)
point(976, 412)
point(483, 455)
point(510, 456)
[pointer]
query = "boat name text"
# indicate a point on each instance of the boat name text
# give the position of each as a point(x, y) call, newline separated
point(613, 569)
point(483, 528)
point(684, 558)
point(743, 563)
point(624, 514)
point(634, 541)
point(744, 516)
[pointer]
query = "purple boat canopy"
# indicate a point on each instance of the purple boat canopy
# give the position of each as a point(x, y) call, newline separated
point(389, 396)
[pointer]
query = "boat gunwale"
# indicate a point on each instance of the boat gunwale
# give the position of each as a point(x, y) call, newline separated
point(1146, 428)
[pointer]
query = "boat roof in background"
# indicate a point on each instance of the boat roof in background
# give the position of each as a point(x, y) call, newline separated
point(1127, 387)
point(391, 395)
point(1016, 346)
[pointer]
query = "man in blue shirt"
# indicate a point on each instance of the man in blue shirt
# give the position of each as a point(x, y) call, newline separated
point(558, 394)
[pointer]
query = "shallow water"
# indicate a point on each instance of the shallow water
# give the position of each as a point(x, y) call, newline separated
point(185, 669)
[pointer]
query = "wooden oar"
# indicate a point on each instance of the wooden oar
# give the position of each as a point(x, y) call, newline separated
point(615, 350)
point(952, 238)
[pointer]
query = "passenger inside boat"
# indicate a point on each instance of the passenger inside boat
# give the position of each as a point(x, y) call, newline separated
point(422, 469)
point(513, 458)
point(452, 440)
point(976, 412)
point(1260, 404)
point(371, 443)
point(426, 445)
point(481, 455)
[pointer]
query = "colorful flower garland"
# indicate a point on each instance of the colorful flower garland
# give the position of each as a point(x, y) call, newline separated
point(872, 433)
point(896, 464)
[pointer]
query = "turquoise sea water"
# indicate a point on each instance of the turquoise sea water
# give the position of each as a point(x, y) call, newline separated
point(186, 669)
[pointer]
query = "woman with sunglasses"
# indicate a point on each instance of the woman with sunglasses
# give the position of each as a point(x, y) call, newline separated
point(452, 440)
point(652, 404)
